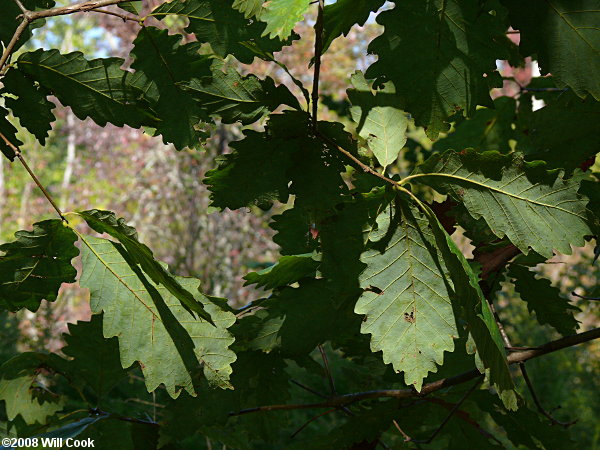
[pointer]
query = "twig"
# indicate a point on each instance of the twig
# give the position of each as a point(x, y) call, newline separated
point(575, 294)
point(20, 5)
point(406, 437)
point(33, 176)
point(451, 413)
point(312, 419)
point(307, 388)
point(513, 358)
point(327, 370)
point(124, 17)
point(538, 404)
point(317, 69)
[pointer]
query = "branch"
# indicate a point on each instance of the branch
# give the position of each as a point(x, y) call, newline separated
point(575, 294)
point(327, 370)
point(35, 178)
point(318, 54)
point(514, 358)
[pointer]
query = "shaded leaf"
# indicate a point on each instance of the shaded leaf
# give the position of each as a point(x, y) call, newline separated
point(98, 88)
point(436, 53)
point(530, 205)
point(341, 16)
point(545, 300)
point(165, 62)
point(153, 328)
point(10, 133)
point(563, 35)
point(31, 106)
point(406, 301)
point(34, 266)
point(95, 359)
point(224, 28)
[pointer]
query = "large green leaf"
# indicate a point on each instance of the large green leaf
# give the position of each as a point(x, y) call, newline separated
point(380, 124)
point(23, 390)
point(10, 20)
point(34, 266)
point(533, 207)
point(341, 16)
point(475, 310)
point(226, 30)
point(31, 106)
point(233, 98)
point(165, 62)
point(549, 305)
point(406, 302)
point(438, 54)
point(107, 222)
point(282, 16)
point(95, 360)
point(152, 326)
point(98, 89)
point(563, 36)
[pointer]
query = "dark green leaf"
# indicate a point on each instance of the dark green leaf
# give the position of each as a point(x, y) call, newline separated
point(165, 63)
point(564, 37)
point(438, 54)
point(134, 7)
point(98, 89)
point(35, 265)
point(31, 106)
point(10, 133)
point(342, 15)
point(225, 29)
point(549, 305)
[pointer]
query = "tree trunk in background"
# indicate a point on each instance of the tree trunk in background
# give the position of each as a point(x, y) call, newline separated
point(70, 162)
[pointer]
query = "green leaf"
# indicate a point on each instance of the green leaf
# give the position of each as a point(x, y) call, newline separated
point(253, 174)
point(436, 53)
point(153, 328)
point(288, 270)
point(468, 299)
point(564, 37)
point(35, 265)
point(98, 89)
point(107, 222)
point(10, 133)
point(406, 301)
point(23, 393)
point(31, 106)
point(225, 29)
point(293, 229)
point(235, 98)
point(488, 129)
point(282, 16)
point(95, 359)
point(549, 305)
point(530, 205)
point(579, 131)
point(9, 21)
point(165, 63)
point(341, 16)
point(379, 123)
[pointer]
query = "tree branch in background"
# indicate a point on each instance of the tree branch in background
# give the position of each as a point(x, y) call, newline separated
point(318, 53)
point(513, 358)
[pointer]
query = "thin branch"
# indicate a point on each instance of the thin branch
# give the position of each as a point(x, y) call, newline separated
point(11, 45)
point(575, 294)
point(538, 404)
point(327, 370)
point(317, 69)
point(71, 9)
point(307, 388)
point(33, 176)
point(124, 17)
point(406, 437)
point(513, 358)
point(21, 7)
point(451, 413)
point(312, 419)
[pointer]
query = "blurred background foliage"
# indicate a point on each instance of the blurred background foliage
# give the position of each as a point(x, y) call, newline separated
point(160, 192)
